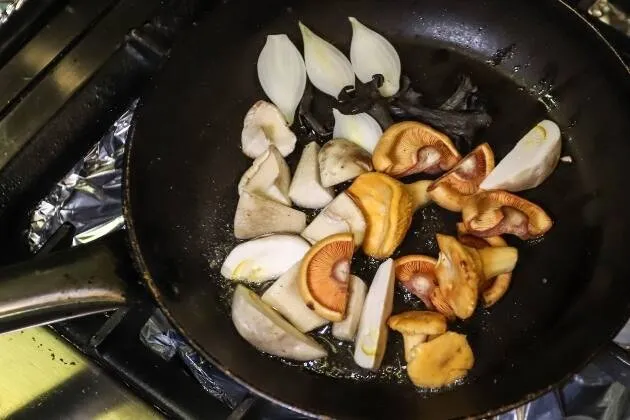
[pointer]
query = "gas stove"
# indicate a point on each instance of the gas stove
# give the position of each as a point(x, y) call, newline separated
point(70, 74)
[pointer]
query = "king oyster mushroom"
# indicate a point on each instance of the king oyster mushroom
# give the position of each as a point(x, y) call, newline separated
point(325, 274)
point(341, 160)
point(441, 361)
point(266, 330)
point(494, 213)
point(530, 162)
point(269, 176)
point(341, 215)
point(492, 289)
point(451, 189)
point(264, 126)
point(284, 296)
point(256, 216)
point(306, 187)
point(460, 270)
point(347, 329)
point(410, 147)
point(416, 327)
point(371, 339)
point(387, 205)
point(263, 259)
point(416, 273)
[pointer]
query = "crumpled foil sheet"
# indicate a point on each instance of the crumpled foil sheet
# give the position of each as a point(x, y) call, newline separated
point(7, 7)
point(89, 198)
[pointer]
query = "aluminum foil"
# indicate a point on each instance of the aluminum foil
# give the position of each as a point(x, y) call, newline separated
point(89, 198)
point(7, 7)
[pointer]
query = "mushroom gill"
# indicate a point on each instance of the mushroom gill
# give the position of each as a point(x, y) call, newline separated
point(449, 190)
point(410, 147)
point(462, 271)
point(324, 275)
point(459, 273)
point(494, 213)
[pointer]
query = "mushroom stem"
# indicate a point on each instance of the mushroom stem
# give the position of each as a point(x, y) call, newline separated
point(410, 341)
point(497, 260)
point(419, 195)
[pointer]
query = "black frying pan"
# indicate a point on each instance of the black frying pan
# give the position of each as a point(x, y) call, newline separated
point(570, 290)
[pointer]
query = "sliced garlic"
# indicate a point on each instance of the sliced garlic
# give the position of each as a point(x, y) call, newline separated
point(372, 54)
point(282, 74)
point(327, 68)
point(361, 129)
point(264, 126)
point(264, 258)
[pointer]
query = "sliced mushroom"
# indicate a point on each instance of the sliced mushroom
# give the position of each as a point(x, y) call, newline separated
point(269, 176)
point(461, 271)
point(306, 187)
point(441, 361)
point(284, 296)
point(411, 147)
point(341, 215)
point(256, 216)
point(458, 272)
point(324, 276)
point(449, 190)
point(494, 213)
point(341, 160)
point(493, 288)
point(266, 330)
point(347, 329)
point(387, 207)
point(530, 162)
point(264, 126)
point(371, 338)
point(263, 259)
point(415, 327)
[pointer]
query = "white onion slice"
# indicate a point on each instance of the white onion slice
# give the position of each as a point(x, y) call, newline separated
point(372, 54)
point(327, 68)
point(282, 74)
point(361, 129)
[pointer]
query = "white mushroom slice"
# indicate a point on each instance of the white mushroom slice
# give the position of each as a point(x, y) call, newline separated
point(347, 329)
point(340, 216)
point(262, 259)
point(256, 216)
point(284, 296)
point(264, 125)
point(266, 330)
point(530, 162)
point(372, 335)
point(341, 160)
point(269, 176)
point(306, 187)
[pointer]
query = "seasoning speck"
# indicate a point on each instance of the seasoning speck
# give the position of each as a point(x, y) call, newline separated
point(566, 159)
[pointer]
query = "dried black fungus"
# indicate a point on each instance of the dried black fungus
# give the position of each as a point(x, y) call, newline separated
point(460, 117)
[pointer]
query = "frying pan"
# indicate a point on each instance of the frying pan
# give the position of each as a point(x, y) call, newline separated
point(570, 290)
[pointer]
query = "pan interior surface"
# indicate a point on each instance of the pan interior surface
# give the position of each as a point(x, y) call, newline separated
point(568, 294)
